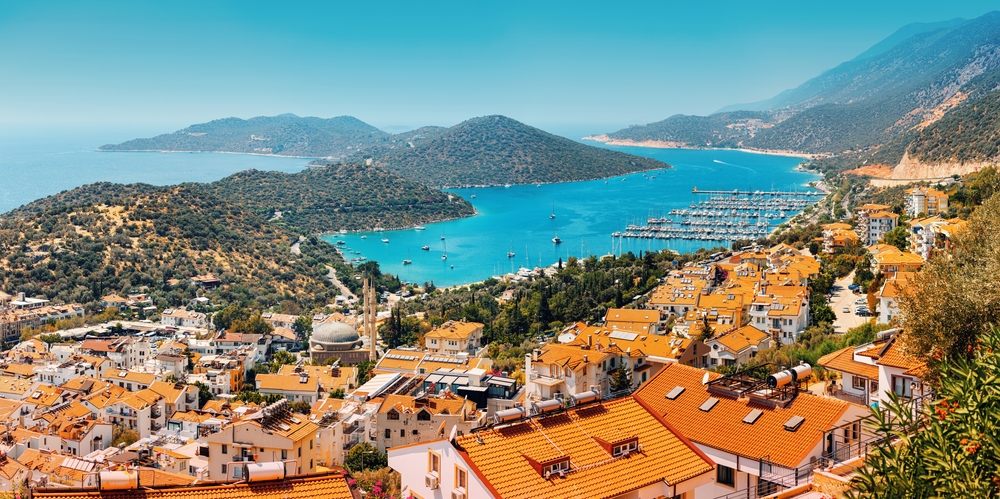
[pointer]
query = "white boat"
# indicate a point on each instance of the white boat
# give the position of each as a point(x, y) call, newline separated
point(364, 237)
point(444, 256)
point(385, 239)
point(425, 247)
point(419, 227)
point(553, 214)
point(407, 261)
point(343, 231)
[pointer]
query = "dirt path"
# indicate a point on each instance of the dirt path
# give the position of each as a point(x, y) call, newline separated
point(295, 247)
point(344, 290)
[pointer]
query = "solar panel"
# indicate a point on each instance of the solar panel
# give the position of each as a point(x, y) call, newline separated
point(620, 335)
point(794, 423)
point(676, 392)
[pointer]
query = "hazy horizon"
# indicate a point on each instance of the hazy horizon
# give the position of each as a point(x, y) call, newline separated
point(570, 71)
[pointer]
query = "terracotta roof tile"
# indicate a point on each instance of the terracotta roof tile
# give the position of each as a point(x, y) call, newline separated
point(327, 486)
point(843, 361)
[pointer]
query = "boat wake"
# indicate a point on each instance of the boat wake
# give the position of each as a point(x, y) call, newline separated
point(734, 166)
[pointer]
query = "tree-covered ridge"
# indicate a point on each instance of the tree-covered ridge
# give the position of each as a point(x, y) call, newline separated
point(697, 131)
point(83, 244)
point(496, 150)
point(344, 196)
point(286, 135)
point(969, 134)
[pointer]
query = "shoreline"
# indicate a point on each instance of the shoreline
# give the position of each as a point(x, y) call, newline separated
point(212, 152)
point(660, 144)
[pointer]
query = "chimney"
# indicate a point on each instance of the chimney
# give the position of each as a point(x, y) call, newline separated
point(20, 296)
point(534, 355)
point(590, 342)
point(527, 365)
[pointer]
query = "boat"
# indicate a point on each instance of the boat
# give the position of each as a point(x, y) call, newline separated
point(556, 239)
point(425, 247)
point(343, 231)
point(553, 214)
point(510, 253)
point(341, 242)
point(623, 180)
point(385, 239)
point(407, 261)
point(364, 237)
point(444, 256)
point(357, 252)
point(472, 196)
point(419, 227)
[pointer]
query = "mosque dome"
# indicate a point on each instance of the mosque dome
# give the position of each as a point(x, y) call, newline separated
point(334, 333)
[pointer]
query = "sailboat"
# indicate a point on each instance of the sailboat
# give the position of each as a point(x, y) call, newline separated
point(444, 256)
point(510, 254)
point(407, 261)
point(556, 240)
point(553, 215)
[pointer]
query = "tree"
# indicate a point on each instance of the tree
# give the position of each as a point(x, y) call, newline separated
point(621, 378)
point(948, 448)
point(364, 371)
point(300, 407)
point(337, 393)
point(51, 338)
point(225, 318)
point(122, 435)
point(204, 393)
point(898, 237)
point(365, 457)
point(814, 248)
point(252, 325)
point(953, 300)
point(379, 484)
point(281, 358)
point(303, 327)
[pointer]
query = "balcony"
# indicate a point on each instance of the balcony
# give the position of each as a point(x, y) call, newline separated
point(155, 412)
point(190, 397)
point(154, 426)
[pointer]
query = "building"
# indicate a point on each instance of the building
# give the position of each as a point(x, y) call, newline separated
point(616, 448)
point(783, 317)
point(745, 428)
point(557, 370)
point(873, 371)
point(454, 337)
point(878, 224)
point(298, 387)
point(736, 346)
point(337, 340)
point(331, 485)
point(24, 312)
point(677, 295)
point(888, 259)
point(404, 420)
point(273, 434)
point(633, 320)
point(489, 392)
point(181, 317)
point(890, 293)
point(926, 201)
point(143, 411)
point(330, 378)
point(837, 236)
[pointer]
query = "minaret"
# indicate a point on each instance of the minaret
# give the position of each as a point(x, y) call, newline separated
point(370, 317)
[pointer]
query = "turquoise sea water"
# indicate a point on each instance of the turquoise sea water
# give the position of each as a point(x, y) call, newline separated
point(587, 213)
point(35, 163)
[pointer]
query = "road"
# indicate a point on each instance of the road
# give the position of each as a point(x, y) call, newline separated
point(295, 247)
point(332, 276)
point(843, 297)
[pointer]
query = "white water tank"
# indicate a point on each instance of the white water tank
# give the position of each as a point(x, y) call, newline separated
point(261, 472)
point(547, 406)
point(584, 397)
point(801, 371)
point(118, 480)
point(509, 415)
point(780, 379)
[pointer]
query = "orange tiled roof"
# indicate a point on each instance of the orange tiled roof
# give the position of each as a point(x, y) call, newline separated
point(893, 356)
point(742, 338)
point(502, 460)
point(435, 405)
point(568, 356)
point(327, 486)
point(287, 383)
point(460, 330)
point(843, 361)
point(723, 428)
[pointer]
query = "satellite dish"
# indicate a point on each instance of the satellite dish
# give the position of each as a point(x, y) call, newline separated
point(454, 434)
point(704, 379)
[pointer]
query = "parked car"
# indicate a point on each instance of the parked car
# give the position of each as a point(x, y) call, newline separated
point(862, 311)
point(847, 310)
point(861, 301)
point(852, 287)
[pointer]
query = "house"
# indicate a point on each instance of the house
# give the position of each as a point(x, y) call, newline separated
point(129, 380)
point(556, 370)
point(207, 281)
point(114, 301)
point(888, 259)
point(176, 396)
point(616, 448)
point(489, 392)
point(745, 428)
point(299, 387)
point(143, 411)
point(648, 352)
point(25, 312)
point(330, 378)
point(279, 320)
point(924, 201)
point(736, 346)
point(890, 292)
point(404, 420)
point(784, 317)
point(181, 317)
point(633, 320)
point(454, 337)
point(838, 235)
point(273, 434)
point(874, 370)
point(677, 295)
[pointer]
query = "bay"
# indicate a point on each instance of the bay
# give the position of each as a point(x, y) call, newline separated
point(517, 218)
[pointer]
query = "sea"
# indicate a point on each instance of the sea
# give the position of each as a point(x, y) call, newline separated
point(517, 219)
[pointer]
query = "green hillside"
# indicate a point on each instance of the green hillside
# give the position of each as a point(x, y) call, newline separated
point(969, 134)
point(496, 150)
point(347, 196)
point(286, 135)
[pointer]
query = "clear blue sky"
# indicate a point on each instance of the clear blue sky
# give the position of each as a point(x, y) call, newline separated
point(550, 64)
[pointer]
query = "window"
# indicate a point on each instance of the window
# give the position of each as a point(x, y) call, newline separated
point(224, 471)
point(225, 449)
point(310, 464)
point(874, 387)
point(310, 447)
point(388, 433)
point(901, 386)
point(402, 433)
point(433, 462)
point(858, 383)
point(461, 478)
point(423, 416)
point(284, 454)
point(725, 475)
point(393, 415)
point(627, 447)
point(415, 433)
point(554, 467)
point(238, 472)
point(300, 451)
point(643, 377)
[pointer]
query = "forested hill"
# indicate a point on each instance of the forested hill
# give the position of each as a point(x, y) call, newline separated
point(346, 196)
point(864, 103)
point(83, 244)
point(286, 135)
point(496, 150)
point(969, 134)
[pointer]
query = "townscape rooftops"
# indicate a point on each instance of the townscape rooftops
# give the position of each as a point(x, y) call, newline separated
point(455, 330)
point(766, 437)
point(741, 339)
point(843, 361)
point(508, 456)
point(288, 382)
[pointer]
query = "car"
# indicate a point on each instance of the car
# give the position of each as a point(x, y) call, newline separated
point(861, 301)
point(847, 310)
point(852, 287)
point(861, 311)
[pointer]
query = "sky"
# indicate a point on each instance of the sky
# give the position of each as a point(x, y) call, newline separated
point(571, 66)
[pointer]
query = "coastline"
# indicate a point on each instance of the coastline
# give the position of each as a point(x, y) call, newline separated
point(660, 144)
point(210, 152)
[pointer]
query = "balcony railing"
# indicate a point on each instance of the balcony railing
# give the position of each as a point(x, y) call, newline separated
point(155, 412)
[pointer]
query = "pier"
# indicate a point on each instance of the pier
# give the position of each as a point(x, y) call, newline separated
point(737, 192)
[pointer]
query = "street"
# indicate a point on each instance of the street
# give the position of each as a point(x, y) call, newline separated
point(843, 297)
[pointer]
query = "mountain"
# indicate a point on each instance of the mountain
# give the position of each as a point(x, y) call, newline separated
point(343, 196)
point(970, 134)
point(285, 135)
point(895, 88)
point(82, 244)
point(905, 33)
point(496, 150)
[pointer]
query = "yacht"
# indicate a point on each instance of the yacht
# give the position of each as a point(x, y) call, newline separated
point(425, 247)
point(444, 256)
point(364, 237)
point(419, 227)
point(407, 261)
point(553, 214)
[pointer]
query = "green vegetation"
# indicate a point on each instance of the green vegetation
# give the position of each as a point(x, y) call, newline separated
point(968, 134)
point(365, 457)
point(286, 135)
point(344, 196)
point(83, 244)
point(948, 448)
point(496, 150)
point(694, 131)
point(122, 435)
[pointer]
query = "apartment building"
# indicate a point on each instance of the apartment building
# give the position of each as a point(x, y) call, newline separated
point(879, 223)
point(454, 337)
point(181, 317)
point(404, 420)
point(926, 201)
